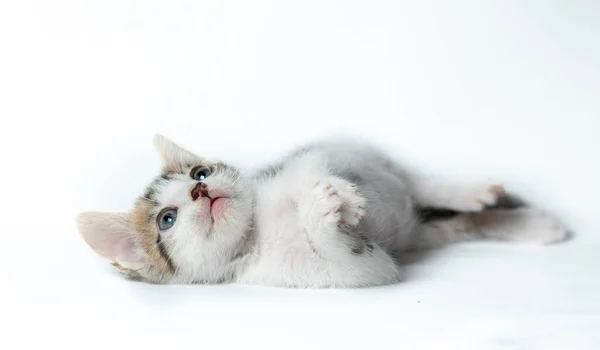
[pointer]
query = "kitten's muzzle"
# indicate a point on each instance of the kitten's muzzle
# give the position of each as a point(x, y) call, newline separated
point(200, 190)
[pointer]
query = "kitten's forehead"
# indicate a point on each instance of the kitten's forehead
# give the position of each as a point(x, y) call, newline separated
point(168, 175)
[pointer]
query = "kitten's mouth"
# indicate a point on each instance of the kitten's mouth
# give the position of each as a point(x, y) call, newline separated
point(213, 201)
point(218, 206)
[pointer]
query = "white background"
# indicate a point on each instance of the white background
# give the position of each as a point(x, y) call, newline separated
point(507, 89)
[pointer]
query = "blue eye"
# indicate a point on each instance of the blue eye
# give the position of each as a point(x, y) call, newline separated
point(166, 219)
point(200, 173)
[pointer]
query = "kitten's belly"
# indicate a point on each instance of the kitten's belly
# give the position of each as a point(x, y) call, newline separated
point(294, 268)
point(286, 259)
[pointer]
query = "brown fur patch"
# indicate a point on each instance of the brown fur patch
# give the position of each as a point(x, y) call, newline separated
point(144, 223)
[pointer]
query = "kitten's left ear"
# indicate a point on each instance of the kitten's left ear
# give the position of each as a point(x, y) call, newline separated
point(171, 153)
point(112, 237)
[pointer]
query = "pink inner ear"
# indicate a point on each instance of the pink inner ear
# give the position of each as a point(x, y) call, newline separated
point(109, 235)
point(125, 249)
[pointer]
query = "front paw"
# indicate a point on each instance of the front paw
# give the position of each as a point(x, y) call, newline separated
point(332, 203)
point(353, 204)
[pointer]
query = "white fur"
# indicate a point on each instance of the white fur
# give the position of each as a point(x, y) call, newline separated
point(456, 196)
point(295, 211)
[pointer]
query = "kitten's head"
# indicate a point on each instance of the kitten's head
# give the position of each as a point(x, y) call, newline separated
point(190, 226)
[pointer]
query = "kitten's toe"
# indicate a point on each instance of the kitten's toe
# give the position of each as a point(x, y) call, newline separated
point(352, 216)
point(353, 211)
point(326, 204)
point(490, 194)
point(479, 198)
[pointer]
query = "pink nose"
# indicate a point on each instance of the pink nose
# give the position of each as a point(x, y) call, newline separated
point(200, 190)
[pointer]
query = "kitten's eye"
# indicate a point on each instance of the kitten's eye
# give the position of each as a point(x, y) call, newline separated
point(200, 173)
point(166, 219)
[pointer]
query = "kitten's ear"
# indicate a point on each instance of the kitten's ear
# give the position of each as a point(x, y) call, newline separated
point(171, 153)
point(112, 237)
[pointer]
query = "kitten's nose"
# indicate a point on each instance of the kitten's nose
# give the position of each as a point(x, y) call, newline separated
point(200, 190)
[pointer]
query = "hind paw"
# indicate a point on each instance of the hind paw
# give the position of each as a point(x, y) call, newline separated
point(477, 197)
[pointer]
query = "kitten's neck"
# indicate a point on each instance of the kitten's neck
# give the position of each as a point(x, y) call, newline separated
point(247, 250)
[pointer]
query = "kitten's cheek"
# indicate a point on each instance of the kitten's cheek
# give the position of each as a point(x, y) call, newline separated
point(219, 207)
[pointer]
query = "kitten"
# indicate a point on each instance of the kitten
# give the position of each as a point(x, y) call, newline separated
point(333, 214)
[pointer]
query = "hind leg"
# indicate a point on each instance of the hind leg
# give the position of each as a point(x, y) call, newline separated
point(456, 196)
point(440, 193)
point(522, 225)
